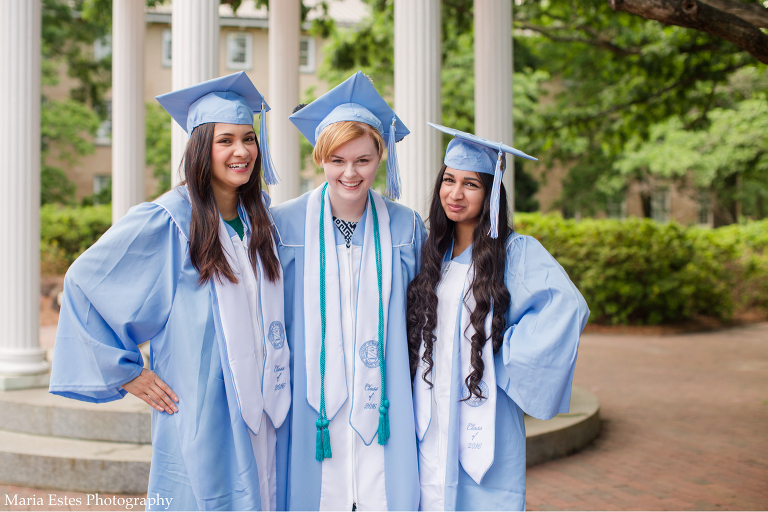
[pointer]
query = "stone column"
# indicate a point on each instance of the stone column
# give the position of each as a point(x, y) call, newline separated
point(493, 79)
point(128, 143)
point(284, 34)
point(22, 361)
point(195, 56)
point(417, 98)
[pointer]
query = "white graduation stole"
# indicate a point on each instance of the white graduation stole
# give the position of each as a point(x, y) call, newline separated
point(477, 417)
point(366, 391)
point(271, 393)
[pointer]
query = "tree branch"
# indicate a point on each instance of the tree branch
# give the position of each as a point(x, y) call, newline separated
point(703, 17)
point(755, 14)
point(598, 40)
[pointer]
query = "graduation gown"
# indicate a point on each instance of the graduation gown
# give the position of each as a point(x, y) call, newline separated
point(534, 373)
point(371, 476)
point(137, 283)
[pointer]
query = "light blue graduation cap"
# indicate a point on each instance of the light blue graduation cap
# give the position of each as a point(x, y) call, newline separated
point(468, 152)
point(231, 99)
point(355, 99)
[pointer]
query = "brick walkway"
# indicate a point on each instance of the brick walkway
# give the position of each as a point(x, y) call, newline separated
point(685, 425)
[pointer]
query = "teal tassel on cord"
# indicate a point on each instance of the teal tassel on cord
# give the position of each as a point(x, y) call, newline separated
point(323, 441)
point(384, 421)
point(326, 442)
point(319, 454)
point(384, 404)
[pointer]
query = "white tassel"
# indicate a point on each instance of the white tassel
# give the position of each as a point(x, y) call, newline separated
point(267, 166)
point(393, 174)
point(495, 195)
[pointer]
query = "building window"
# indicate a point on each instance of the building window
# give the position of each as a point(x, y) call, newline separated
point(101, 182)
point(306, 184)
point(660, 205)
point(307, 54)
point(102, 48)
point(239, 50)
point(616, 207)
point(705, 216)
point(166, 49)
point(104, 132)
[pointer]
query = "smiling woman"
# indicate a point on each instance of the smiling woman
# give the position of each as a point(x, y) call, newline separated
point(208, 297)
point(348, 254)
point(349, 152)
point(493, 329)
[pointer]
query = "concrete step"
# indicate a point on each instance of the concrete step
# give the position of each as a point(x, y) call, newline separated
point(74, 464)
point(566, 433)
point(35, 411)
point(52, 442)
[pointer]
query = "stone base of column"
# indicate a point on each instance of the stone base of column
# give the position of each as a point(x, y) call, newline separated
point(22, 369)
point(16, 382)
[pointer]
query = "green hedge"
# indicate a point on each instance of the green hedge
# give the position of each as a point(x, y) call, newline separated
point(634, 271)
point(638, 271)
point(66, 231)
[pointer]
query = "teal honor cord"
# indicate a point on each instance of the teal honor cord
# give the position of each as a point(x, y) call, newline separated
point(323, 442)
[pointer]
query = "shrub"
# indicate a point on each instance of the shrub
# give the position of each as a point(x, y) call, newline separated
point(642, 272)
point(66, 232)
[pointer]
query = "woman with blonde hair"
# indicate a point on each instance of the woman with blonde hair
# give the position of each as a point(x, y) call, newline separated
point(348, 255)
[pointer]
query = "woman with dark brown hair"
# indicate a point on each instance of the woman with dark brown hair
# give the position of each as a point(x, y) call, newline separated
point(493, 330)
point(196, 273)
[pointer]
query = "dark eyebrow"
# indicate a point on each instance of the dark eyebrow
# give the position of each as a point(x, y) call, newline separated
point(232, 135)
point(472, 179)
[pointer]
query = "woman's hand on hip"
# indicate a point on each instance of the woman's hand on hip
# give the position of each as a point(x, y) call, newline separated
point(154, 391)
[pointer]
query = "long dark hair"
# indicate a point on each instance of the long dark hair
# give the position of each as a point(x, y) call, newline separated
point(488, 258)
point(205, 250)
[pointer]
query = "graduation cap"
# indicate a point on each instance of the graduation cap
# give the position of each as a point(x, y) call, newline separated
point(355, 99)
point(231, 99)
point(468, 152)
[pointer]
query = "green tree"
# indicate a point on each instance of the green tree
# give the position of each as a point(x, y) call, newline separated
point(68, 126)
point(729, 157)
point(66, 130)
point(368, 47)
point(158, 145)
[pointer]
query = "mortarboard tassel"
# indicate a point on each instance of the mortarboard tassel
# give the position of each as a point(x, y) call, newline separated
point(393, 176)
point(495, 194)
point(267, 166)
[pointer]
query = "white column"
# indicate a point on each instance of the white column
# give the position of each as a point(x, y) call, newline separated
point(417, 98)
point(128, 144)
point(195, 56)
point(493, 79)
point(22, 361)
point(284, 34)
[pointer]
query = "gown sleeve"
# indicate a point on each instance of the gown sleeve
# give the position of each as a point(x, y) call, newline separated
point(545, 319)
point(117, 295)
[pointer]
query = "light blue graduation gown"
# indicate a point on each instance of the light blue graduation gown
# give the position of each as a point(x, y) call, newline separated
point(137, 283)
point(534, 373)
point(400, 456)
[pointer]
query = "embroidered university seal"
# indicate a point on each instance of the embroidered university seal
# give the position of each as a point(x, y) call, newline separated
point(475, 401)
point(276, 334)
point(369, 354)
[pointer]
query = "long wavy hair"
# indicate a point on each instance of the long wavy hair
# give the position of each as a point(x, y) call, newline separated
point(488, 258)
point(205, 250)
